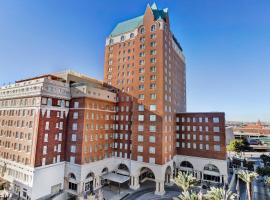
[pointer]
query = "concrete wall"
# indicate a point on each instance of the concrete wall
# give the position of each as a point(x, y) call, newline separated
point(46, 177)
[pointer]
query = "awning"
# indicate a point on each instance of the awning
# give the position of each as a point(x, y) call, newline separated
point(117, 178)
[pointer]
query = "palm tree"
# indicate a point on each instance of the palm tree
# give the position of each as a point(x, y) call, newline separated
point(187, 196)
point(185, 181)
point(248, 177)
point(267, 181)
point(219, 193)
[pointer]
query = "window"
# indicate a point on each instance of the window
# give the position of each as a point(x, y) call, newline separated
point(73, 137)
point(216, 129)
point(141, 96)
point(216, 119)
point(216, 138)
point(47, 126)
point(111, 41)
point(152, 150)
point(153, 36)
point(152, 118)
point(140, 107)
point(153, 107)
point(141, 87)
point(153, 69)
point(140, 148)
point(140, 128)
point(131, 35)
point(46, 137)
point(140, 138)
point(72, 159)
point(44, 150)
point(152, 128)
point(43, 161)
point(216, 147)
point(141, 118)
point(76, 104)
point(75, 115)
point(152, 139)
point(74, 126)
point(72, 148)
point(152, 160)
point(122, 38)
point(142, 31)
point(153, 96)
point(207, 147)
point(140, 158)
point(153, 27)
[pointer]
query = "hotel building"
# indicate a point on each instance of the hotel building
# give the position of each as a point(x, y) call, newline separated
point(69, 132)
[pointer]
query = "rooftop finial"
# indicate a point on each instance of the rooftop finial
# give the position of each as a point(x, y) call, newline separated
point(154, 6)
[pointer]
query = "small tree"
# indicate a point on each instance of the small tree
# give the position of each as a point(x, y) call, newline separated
point(219, 194)
point(185, 181)
point(248, 177)
point(237, 145)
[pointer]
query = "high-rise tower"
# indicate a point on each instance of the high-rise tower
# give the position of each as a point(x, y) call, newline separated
point(144, 60)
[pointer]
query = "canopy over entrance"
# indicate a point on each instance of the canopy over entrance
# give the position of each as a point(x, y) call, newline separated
point(117, 178)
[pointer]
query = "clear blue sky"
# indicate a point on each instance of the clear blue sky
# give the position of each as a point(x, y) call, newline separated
point(226, 44)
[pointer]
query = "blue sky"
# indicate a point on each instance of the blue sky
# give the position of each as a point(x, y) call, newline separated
point(226, 44)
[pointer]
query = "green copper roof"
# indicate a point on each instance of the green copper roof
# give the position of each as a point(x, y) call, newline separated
point(132, 24)
point(127, 26)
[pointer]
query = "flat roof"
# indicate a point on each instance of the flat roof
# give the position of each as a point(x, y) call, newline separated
point(118, 178)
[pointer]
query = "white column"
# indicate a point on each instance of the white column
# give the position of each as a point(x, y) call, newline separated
point(135, 184)
point(97, 183)
point(160, 187)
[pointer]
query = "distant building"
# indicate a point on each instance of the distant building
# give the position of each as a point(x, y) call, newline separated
point(253, 131)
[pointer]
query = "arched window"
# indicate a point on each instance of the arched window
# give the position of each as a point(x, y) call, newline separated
point(71, 175)
point(186, 164)
point(111, 41)
point(142, 31)
point(122, 38)
point(153, 27)
point(131, 35)
point(211, 167)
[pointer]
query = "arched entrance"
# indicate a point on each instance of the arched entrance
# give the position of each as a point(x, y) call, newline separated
point(72, 184)
point(211, 173)
point(146, 174)
point(186, 166)
point(122, 169)
point(89, 182)
point(168, 174)
point(105, 170)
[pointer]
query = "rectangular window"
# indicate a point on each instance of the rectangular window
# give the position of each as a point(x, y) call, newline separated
point(140, 107)
point(140, 158)
point(75, 115)
point(152, 139)
point(216, 147)
point(76, 104)
point(152, 128)
point(73, 137)
point(216, 138)
point(140, 128)
point(141, 118)
point(140, 148)
point(216, 119)
point(152, 150)
point(153, 107)
point(152, 160)
point(140, 138)
point(216, 129)
point(152, 118)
